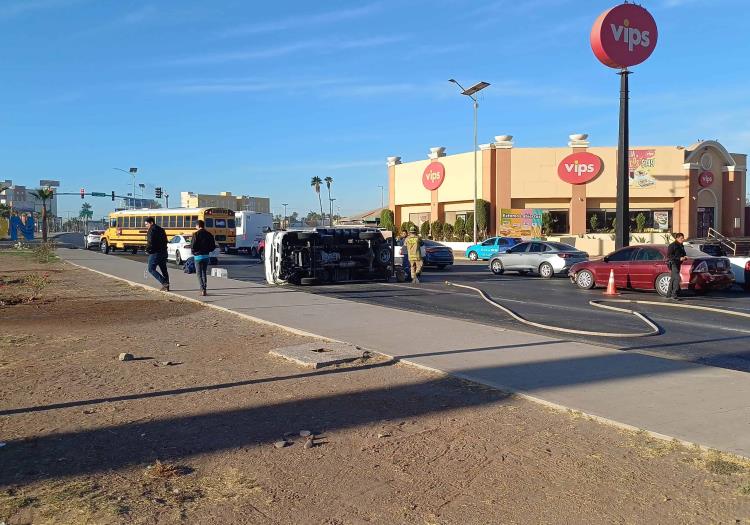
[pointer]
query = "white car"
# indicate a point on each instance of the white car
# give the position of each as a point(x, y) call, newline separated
point(93, 239)
point(178, 250)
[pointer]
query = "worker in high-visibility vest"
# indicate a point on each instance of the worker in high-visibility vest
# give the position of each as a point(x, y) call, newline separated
point(413, 245)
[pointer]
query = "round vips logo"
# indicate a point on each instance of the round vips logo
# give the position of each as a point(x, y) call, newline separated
point(433, 175)
point(580, 168)
point(624, 36)
point(705, 179)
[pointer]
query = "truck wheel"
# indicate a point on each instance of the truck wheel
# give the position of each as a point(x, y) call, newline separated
point(383, 254)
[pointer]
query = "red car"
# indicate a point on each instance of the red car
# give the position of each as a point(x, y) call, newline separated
point(644, 267)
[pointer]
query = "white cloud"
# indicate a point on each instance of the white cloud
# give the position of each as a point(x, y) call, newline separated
point(320, 45)
point(22, 7)
point(297, 21)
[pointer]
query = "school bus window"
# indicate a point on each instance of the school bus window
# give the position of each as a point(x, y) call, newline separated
point(194, 218)
point(119, 222)
point(113, 222)
point(158, 220)
point(180, 221)
point(231, 223)
point(209, 222)
point(221, 223)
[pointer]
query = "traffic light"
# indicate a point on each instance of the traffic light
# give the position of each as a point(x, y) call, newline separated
point(158, 193)
point(83, 193)
point(113, 196)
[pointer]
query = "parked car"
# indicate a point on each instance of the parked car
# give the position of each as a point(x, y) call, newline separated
point(486, 249)
point(434, 254)
point(644, 267)
point(93, 239)
point(542, 257)
point(178, 250)
point(740, 263)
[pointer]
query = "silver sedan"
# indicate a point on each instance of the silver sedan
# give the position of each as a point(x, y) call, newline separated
point(543, 257)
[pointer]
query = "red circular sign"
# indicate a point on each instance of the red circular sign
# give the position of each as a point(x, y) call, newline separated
point(580, 168)
point(433, 175)
point(624, 36)
point(705, 179)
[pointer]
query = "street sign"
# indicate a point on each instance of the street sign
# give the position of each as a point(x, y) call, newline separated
point(98, 194)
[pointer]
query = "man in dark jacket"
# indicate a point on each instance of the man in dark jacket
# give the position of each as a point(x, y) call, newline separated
point(156, 248)
point(675, 255)
point(202, 246)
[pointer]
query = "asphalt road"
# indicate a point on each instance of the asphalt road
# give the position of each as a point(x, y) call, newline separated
point(701, 337)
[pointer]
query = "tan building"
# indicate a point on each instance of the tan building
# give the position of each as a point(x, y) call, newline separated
point(676, 188)
point(225, 200)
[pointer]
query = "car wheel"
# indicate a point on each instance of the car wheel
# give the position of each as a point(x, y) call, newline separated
point(177, 259)
point(546, 270)
point(473, 256)
point(104, 246)
point(662, 284)
point(497, 267)
point(585, 280)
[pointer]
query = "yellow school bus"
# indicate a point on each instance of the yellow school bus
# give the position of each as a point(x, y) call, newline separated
point(127, 231)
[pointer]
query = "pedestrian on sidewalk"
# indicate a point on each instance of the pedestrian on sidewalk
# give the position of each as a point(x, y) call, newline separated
point(202, 246)
point(413, 245)
point(675, 255)
point(156, 248)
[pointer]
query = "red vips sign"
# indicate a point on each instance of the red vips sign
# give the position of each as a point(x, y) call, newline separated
point(624, 36)
point(580, 168)
point(705, 179)
point(433, 176)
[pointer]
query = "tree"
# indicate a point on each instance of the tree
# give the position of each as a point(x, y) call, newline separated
point(594, 222)
point(640, 222)
point(547, 223)
point(437, 230)
point(483, 218)
point(329, 181)
point(313, 218)
point(86, 211)
point(424, 229)
point(406, 226)
point(470, 225)
point(315, 182)
point(386, 219)
point(459, 228)
point(44, 195)
point(447, 232)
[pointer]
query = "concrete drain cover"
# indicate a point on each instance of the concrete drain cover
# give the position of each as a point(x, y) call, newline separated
point(318, 355)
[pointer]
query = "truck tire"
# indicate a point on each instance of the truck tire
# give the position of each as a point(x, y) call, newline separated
point(383, 254)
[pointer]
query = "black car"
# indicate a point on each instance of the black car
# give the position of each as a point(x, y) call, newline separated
point(434, 254)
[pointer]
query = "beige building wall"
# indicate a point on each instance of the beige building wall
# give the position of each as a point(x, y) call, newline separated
point(225, 200)
point(457, 186)
point(533, 173)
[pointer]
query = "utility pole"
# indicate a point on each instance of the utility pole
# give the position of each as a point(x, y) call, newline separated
point(284, 204)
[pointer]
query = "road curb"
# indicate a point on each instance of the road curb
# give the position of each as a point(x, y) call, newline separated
point(508, 390)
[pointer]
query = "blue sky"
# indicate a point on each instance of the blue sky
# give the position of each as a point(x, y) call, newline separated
point(258, 97)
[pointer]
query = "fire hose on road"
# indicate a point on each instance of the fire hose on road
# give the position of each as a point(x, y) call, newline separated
point(654, 329)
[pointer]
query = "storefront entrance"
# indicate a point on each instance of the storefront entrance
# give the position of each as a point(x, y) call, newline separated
point(705, 221)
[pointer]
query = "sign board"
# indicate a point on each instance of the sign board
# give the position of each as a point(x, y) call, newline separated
point(433, 175)
point(705, 179)
point(49, 183)
point(98, 194)
point(520, 223)
point(641, 168)
point(580, 168)
point(661, 220)
point(624, 36)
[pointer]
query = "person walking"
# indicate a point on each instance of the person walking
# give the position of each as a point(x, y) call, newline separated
point(156, 248)
point(413, 245)
point(202, 246)
point(675, 255)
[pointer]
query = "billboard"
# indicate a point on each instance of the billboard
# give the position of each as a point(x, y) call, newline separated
point(641, 173)
point(49, 183)
point(520, 223)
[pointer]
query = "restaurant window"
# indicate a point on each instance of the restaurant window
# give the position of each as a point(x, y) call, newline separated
point(560, 222)
point(419, 218)
point(451, 216)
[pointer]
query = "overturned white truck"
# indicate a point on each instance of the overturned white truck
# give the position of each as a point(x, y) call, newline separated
point(327, 255)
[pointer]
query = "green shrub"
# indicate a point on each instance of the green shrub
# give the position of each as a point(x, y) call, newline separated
point(640, 222)
point(469, 226)
point(437, 230)
point(386, 219)
point(424, 229)
point(459, 228)
point(45, 252)
point(594, 222)
point(447, 232)
point(406, 226)
point(483, 217)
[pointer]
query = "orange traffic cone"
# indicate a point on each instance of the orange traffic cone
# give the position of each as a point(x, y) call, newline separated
point(611, 288)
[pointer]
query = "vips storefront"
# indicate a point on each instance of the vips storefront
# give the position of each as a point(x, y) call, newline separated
point(675, 188)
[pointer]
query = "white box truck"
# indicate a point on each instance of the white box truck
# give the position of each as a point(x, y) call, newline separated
point(251, 229)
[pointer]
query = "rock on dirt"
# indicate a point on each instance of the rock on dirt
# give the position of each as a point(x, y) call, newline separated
point(125, 357)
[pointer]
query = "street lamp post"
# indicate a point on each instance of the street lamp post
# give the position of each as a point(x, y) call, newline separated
point(131, 171)
point(284, 204)
point(471, 92)
point(330, 213)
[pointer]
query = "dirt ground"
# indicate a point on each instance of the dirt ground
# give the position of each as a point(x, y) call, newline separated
point(185, 432)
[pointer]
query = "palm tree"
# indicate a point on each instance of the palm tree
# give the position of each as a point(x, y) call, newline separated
point(43, 194)
point(329, 181)
point(315, 182)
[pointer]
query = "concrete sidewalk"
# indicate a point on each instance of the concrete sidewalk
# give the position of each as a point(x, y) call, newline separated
point(697, 404)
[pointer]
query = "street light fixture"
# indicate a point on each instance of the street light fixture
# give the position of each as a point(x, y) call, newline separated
point(131, 171)
point(471, 92)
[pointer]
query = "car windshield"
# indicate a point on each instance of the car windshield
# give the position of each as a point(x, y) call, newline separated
point(561, 247)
